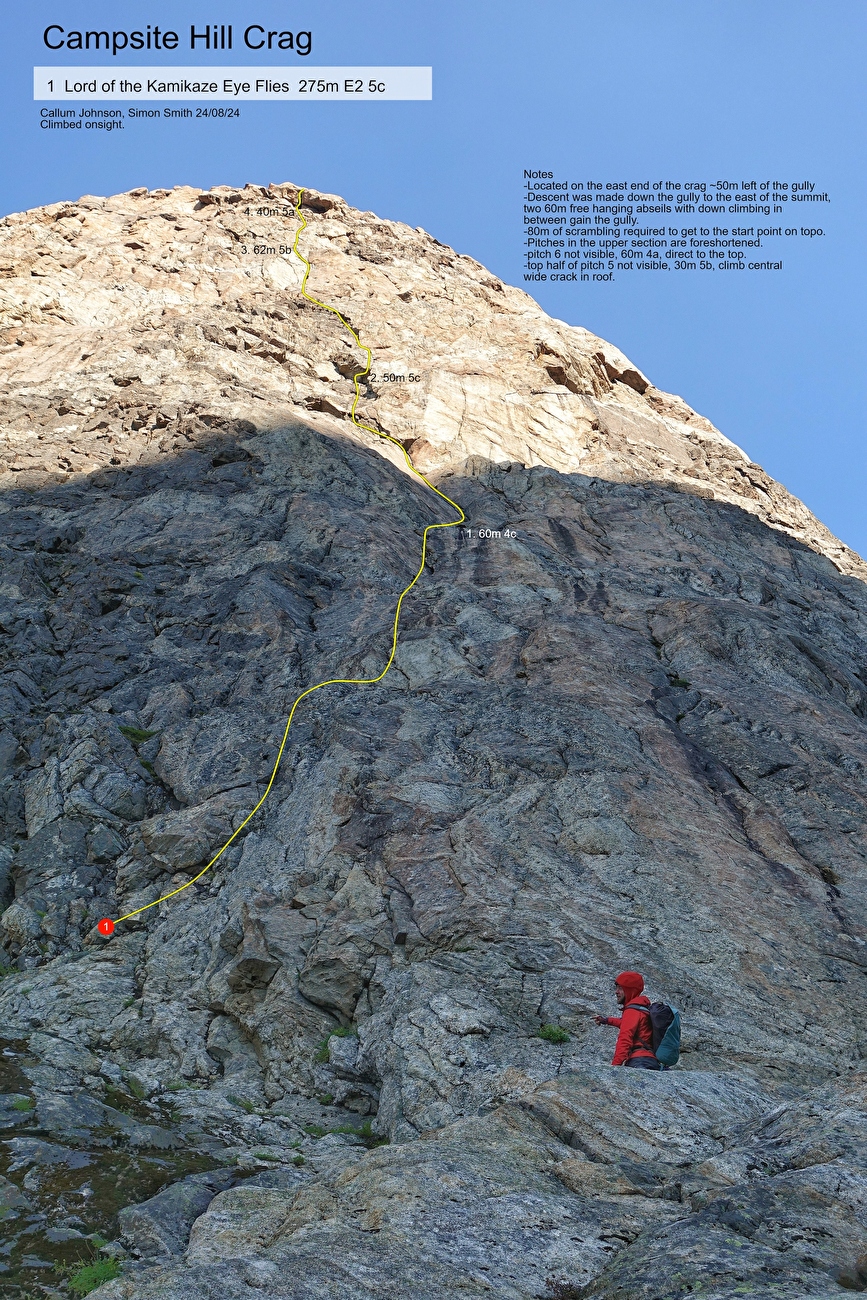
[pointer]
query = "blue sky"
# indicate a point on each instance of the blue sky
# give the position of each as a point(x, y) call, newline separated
point(601, 89)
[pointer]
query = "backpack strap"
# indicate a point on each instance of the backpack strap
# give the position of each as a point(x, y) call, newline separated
point(646, 1030)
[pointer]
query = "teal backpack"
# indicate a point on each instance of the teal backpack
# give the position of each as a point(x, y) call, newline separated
point(665, 1026)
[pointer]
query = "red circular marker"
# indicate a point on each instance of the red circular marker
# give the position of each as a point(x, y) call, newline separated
point(106, 925)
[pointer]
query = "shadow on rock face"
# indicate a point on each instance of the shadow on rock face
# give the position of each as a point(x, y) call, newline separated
point(624, 729)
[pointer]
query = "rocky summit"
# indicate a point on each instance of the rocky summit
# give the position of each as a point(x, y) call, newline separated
point(625, 728)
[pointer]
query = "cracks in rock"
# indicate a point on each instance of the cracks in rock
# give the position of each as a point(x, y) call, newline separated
point(718, 778)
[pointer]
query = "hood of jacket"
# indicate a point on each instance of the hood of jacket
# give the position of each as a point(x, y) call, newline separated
point(631, 982)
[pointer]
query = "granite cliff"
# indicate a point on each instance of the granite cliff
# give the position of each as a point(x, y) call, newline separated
point(625, 728)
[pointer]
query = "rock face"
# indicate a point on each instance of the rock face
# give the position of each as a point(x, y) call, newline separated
point(625, 728)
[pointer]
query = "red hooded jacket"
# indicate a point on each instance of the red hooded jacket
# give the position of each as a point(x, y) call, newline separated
point(636, 1034)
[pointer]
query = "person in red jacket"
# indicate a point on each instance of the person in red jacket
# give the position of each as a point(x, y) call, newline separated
point(635, 1040)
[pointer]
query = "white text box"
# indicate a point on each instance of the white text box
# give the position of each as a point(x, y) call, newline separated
point(234, 84)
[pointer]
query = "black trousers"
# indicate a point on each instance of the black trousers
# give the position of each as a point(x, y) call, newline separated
point(644, 1063)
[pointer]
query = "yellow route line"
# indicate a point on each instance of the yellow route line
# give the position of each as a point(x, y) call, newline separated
point(332, 681)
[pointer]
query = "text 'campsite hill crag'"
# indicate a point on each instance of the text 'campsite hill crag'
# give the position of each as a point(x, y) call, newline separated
point(630, 733)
